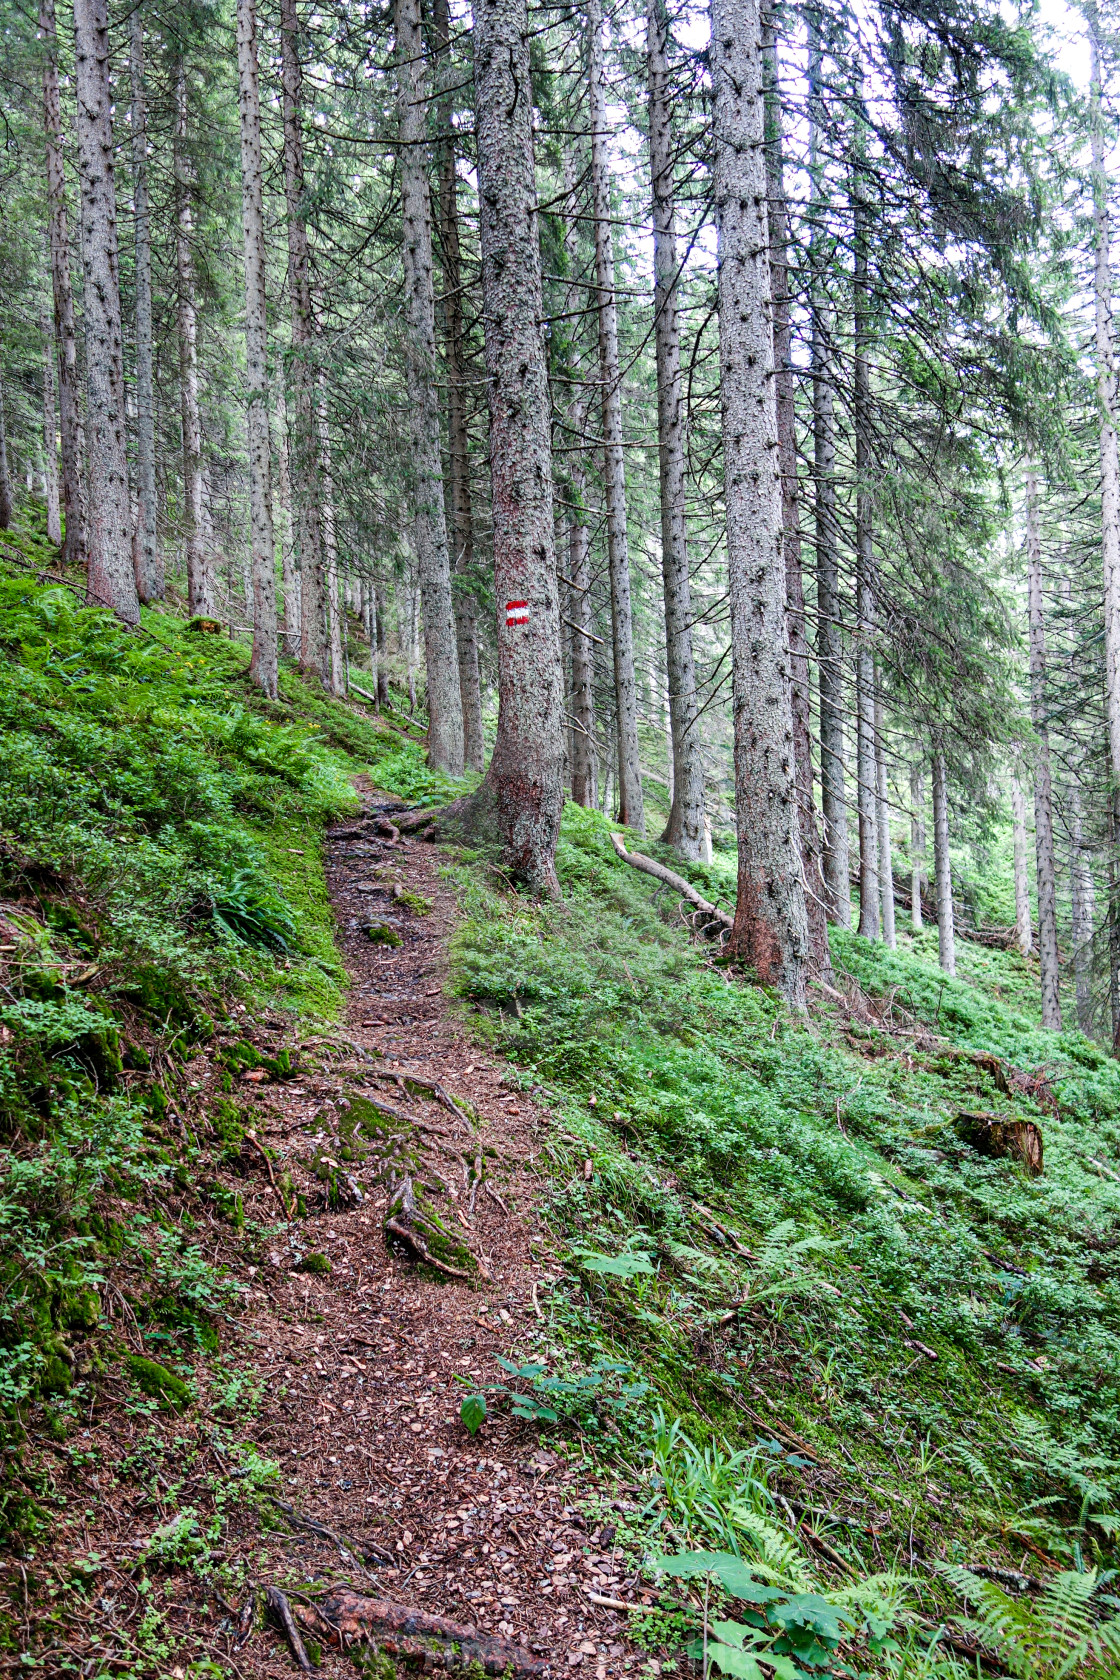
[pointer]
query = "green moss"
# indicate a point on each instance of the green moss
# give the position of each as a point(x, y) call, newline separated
point(317, 1264)
point(380, 933)
point(159, 1383)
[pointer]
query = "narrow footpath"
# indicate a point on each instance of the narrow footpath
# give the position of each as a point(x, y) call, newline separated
point(386, 1489)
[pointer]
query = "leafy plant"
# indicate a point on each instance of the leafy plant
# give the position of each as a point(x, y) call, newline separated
point(1064, 1631)
point(250, 911)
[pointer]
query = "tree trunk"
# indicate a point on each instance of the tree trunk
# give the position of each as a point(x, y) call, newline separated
point(883, 827)
point(314, 654)
point(74, 551)
point(946, 944)
point(200, 571)
point(584, 778)
point(630, 809)
point(264, 666)
point(685, 828)
point(800, 697)
point(381, 611)
point(1107, 396)
point(336, 599)
point(865, 594)
point(1083, 914)
point(771, 929)
point(6, 507)
point(110, 576)
point(522, 795)
point(289, 565)
point(1043, 803)
point(462, 519)
point(830, 674)
point(149, 566)
point(50, 437)
point(917, 846)
point(441, 655)
point(1023, 935)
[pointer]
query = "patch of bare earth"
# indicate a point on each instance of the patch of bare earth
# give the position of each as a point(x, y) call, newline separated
point(381, 1487)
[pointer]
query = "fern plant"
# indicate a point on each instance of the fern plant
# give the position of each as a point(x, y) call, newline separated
point(1059, 1633)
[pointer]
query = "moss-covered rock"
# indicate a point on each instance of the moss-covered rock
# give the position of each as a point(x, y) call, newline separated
point(159, 1383)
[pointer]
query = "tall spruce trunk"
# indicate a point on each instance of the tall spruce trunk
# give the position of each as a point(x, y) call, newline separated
point(946, 940)
point(865, 589)
point(6, 506)
point(917, 845)
point(771, 931)
point(109, 572)
point(883, 827)
point(1083, 913)
point(830, 653)
point(381, 614)
point(69, 406)
point(1107, 397)
point(314, 650)
point(289, 560)
point(1043, 798)
point(522, 794)
point(685, 828)
point(336, 596)
point(583, 765)
point(200, 572)
point(264, 665)
point(630, 809)
point(50, 437)
point(819, 956)
point(1024, 938)
point(149, 564)
point(458, 444)
point(429, 527)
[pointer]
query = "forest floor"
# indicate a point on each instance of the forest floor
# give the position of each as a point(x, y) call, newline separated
point(322, 1146)
point(352, 1360)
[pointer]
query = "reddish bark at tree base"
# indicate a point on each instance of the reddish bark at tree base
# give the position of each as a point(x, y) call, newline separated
point(352, 1616)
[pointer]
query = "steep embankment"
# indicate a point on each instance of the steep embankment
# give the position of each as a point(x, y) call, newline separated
point(757, 1290)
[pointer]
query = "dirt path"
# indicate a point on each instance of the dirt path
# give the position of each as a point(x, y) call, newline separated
point(361, 1404)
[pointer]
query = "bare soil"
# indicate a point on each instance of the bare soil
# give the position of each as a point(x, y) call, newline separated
point(356, 1369)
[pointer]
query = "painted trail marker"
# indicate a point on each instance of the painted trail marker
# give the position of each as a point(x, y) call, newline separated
point(517, 612)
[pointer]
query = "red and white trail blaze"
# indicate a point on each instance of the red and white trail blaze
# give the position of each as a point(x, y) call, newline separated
point(517, 612)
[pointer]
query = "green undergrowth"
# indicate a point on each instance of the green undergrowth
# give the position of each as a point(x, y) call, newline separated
point(782, 1232)
point(161, 876)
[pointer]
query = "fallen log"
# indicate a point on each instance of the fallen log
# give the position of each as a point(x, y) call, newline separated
point(346, 1617)
point(1002, 1136)
point(669, 878)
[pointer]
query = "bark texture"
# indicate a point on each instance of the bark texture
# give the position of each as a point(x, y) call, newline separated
point(917, 845)
point(583, 765)
point(200, 579)
point(109, 572)
point(50, 438)
point(149, 565)
point(264, 665)
point(6, 507)
point(865, 592)
point(429, 528)
point(685, 828)
point(830, 671)
point(1083, 913)
point(1024, 936)
point(522, 795)
point(459, 478)
point(1043, 798)
point(771, 930)
point(946, 942)
point(336, 602)
point(69, 408)
point(630, 809)
point(819, 957)
point(314, 652)
point(883, 825)
point(1107, 395)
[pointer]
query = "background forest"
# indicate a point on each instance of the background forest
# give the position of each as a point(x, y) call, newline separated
point(657, 430)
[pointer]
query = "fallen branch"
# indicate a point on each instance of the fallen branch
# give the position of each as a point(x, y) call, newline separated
point(670, 879)
point(348, 1548)
point(282, 1610)
point(346, 1615)
point(264, 1155)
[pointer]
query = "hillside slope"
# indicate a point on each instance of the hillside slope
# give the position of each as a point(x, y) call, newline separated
point(798, 1314)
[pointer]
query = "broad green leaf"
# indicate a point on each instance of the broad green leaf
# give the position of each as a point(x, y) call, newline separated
point(731, 1572)
point(614, 1265)
point(473, 1413)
